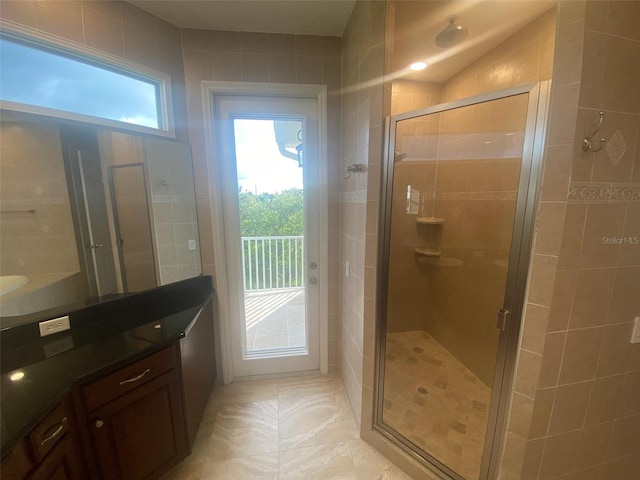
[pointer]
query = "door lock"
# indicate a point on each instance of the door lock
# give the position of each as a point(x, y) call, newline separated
point(313, 265)
point(313, 280)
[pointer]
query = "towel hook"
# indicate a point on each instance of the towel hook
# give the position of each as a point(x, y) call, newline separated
point(587, 142)
point(354, 167)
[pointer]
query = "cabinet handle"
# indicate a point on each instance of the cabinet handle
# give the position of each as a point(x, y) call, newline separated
point(99, 423)
point(136, 378)
point(56, 432)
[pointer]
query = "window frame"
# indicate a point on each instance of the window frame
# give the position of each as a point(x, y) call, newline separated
point(90, 56)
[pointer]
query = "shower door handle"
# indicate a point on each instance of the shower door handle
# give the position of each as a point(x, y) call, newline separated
point(503, 318)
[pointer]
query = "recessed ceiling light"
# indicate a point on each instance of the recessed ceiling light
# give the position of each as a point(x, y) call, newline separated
point(417, 66)
point(14, 377)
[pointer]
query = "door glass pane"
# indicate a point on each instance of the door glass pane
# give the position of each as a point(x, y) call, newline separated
point(271, 205)
point(455, 184)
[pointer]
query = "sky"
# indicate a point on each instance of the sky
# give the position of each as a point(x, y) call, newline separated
point(261, 166)
point(36, 77)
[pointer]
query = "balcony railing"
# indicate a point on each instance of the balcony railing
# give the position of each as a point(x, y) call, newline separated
point(273, 262)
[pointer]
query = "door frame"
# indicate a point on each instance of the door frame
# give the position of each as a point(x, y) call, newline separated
point(210, 90)
point(517, 275)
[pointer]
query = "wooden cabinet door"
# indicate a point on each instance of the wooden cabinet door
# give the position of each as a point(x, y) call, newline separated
point(61, 463)
point(140, 434)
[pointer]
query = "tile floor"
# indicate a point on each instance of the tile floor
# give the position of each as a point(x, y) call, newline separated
point(287, 429)
point(435, 401)
point(275, 318)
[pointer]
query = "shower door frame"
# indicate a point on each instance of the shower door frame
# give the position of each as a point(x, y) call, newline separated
point(517, 274)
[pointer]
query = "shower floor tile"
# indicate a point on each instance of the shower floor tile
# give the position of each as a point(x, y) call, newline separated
point(435, 401)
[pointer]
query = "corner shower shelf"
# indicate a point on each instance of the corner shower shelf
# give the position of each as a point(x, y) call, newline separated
point(430, 220)
point(427, 252)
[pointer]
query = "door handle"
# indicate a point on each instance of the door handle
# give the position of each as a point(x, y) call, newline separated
point(503, 318)
point(313, 280)
point(313, 265)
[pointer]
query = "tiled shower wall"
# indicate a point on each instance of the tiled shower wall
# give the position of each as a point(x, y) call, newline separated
point(266, 58)
point(576, 404)
point(362, 116)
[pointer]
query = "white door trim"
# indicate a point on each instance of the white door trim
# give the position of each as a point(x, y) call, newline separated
point(319, 93)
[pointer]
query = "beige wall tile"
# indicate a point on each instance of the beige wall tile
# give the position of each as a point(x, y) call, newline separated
point(308, 69)
point(252, 42)
point(138, 18)
point(629, 401)
point(624, 437)
point(541, 413)
point(557, 172)
point(282, 44)
point(580, 357)
point(625, 304)
point(534, 328)
point(569, 407)
point(224, 41)
point(603, 221)
point(621, 76)
point(543, 273)
point(559, 454)
point(616, 351)
point(227, 66)
point(562, 300)
point(20, 11)
point(593, 444)
point(592, 297)
point(520, 415)
point(103, 32)
point(605, 398)
point(569, 48)
point(282, 69)
point(622, 19)
point(572, 234)
point(61, 18)
point(623, 467)
point(551, 216)
point(195, 39)
point(255, 68)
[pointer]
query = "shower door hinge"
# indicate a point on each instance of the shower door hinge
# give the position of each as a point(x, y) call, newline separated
point(503, 318)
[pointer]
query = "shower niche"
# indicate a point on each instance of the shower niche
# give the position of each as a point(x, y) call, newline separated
point(455, 234)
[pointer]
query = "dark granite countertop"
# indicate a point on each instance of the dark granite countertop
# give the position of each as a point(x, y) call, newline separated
point(102, 338)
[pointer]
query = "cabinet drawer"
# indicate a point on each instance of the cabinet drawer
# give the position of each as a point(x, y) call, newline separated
point(127, 378)
point(49, 432)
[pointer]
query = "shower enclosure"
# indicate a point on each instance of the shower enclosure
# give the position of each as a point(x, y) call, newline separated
point(456, 230)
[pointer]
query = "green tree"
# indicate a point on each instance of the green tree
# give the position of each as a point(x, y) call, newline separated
point(271, 214)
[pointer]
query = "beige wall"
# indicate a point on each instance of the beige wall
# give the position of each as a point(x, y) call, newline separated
point(576, 402)
point(526, 56)
point(362, 114)
point(32, 177)
point(266, 58)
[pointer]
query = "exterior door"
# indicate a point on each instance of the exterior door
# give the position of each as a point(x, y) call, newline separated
point(268, 149)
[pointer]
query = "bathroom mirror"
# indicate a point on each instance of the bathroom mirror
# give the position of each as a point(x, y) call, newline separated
point(87, 212)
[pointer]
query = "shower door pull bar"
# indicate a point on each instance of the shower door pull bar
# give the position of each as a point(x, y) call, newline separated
point(503, 318)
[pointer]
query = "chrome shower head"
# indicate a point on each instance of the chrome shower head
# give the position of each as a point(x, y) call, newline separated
point(452, 35)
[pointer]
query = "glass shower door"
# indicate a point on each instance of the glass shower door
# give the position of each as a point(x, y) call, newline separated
point(457, 187)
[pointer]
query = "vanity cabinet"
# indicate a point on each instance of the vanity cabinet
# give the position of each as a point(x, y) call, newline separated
point(49, 452)
point(135, 418)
